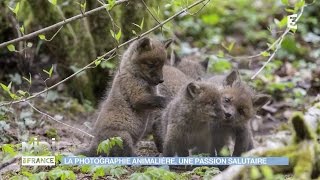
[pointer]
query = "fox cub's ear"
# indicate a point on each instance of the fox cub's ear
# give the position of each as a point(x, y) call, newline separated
point(144, 44)
point(193, 89)
point(205, 63)
point(260, 100)
point(231, 78)
point(167, 43)
point(174, 59)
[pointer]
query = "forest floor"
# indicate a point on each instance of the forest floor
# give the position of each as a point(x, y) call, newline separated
point(70, 139)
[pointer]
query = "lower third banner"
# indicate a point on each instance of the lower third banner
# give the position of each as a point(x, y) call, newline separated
point(73, 160)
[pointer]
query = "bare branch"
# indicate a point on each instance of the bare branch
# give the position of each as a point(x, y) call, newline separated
point(273, 54)
point(11, 161)
point(278, 45)
point(59, 24)
point(144, 3)
point(52, 118)
point(106, 54)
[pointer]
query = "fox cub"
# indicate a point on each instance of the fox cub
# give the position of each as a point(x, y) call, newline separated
point(240, 104)
point(189, 65)
point(186, 121)
point(174, 79)
point(132, 96)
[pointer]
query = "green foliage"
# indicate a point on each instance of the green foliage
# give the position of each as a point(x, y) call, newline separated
point(285, 2)
point(279, 86)
point(289, 45)
point(28, 80)
point(22, 93)
point(7, 89)
point(9, 149)
point(88, 105)
point(210, 172)
point(22, 32)
point(49, 72)
point(11, 48)
point(106, 145)
point(228, 47)
point(42, 37)
point(220, 65)
point(35, 176)
point(83, 6)
point(203, 171)
point(254, 173)
point(100, 171)
point(265, 54)
point(299, 5)
point(53, 2)
point(210, 19)
point(111, 4)
point(267, 172)
point(97, 61)
point(58, 173)
point(116, 36)
point(16, 9)
point(108, 64)
point(153, 173)
point(225, 151)
point(139, 26)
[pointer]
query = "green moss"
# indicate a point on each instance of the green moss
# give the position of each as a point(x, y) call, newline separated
point(317, 105)
point(75, 107)
point(51, 133)
point(267, 172)
point(304, 165)
point(283, 127)
point(301, 130)
point(255, 173)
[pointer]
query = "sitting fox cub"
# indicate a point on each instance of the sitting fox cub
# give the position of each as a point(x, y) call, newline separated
point(189, 65)
point(132, 96)
point(186, 122)
point(240, 104)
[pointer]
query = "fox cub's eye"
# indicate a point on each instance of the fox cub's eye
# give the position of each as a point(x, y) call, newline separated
point(227, 100)
point(241, 111)
point(151, 65)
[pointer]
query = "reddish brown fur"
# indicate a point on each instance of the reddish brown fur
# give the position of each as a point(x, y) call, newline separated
point(240, 104)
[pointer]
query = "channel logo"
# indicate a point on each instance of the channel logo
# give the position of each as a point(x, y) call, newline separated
point(36, 147)
point(38, 161)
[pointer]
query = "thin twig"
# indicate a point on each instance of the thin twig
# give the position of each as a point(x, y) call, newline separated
point(112, 20)
point(204, 4)
point(72, 32)
point(278, 45)
point(54, 34)
point(52, 118)
point(104, 55)
point(144, 3)
point(257, 55)
point(57, 25)
point(7, 163)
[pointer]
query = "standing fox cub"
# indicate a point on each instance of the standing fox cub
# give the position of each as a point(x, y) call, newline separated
point(240, 104)
point(132, 96)
point(188, 117)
